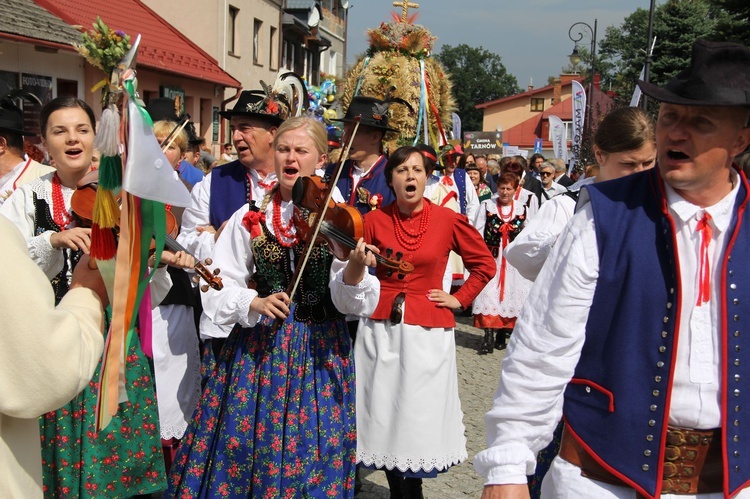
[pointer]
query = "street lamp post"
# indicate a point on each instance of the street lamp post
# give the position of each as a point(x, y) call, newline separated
point(584, 29)
point(649, 50)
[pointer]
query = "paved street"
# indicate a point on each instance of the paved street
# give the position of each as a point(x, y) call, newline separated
point(477, 381)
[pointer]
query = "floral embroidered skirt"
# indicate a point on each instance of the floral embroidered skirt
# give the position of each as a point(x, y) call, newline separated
point(276, 418)
point(122, 460)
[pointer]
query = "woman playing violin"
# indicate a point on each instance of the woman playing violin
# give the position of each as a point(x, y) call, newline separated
point(409, 419)
point(277, 416)
point(125, 458)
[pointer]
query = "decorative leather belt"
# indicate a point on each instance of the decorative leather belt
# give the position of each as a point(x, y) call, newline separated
point(692, 461)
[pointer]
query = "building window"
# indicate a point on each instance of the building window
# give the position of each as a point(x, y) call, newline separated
point(273, 59)
point(332, 62)
point(287, 55)
point(234, 13)
point(537, 104)
point(256, 41)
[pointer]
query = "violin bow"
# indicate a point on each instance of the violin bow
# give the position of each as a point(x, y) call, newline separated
point(318, 222)
point(173, 134)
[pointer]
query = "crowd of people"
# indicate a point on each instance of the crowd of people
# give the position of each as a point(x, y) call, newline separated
point(614, 293)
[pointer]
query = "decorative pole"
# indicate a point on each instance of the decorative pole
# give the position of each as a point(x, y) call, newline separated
point(405, 5)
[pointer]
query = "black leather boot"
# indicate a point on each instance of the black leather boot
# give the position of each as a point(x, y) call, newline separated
point(413, 488)
point(487, 343)
point(500, 336)
point(395, 484)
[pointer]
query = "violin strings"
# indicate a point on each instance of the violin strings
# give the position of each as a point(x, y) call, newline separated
point(343, 238)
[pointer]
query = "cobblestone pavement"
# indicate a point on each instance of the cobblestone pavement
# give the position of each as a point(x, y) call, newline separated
point(478, 376)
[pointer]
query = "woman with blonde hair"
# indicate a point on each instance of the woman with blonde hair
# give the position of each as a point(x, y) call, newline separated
point(277, 415)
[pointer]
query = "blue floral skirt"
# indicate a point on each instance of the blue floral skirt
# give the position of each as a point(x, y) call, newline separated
point(276, 418)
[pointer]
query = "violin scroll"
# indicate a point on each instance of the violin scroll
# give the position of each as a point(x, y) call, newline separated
point(212, 279)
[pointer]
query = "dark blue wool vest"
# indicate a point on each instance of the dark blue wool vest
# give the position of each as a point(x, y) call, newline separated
point(617, 403)
point(374, 182)
point(228, 191)
point(459, 176)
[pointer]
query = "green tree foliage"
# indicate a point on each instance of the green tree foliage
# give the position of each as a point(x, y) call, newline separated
point(677, 24)
point(734, 26)
point(478, 76)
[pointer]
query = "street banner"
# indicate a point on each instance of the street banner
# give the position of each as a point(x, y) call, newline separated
point(456, 126)
point(579, 116)
point(557, 136)
point(483, 142)
point(636, 99)
point(637, 91)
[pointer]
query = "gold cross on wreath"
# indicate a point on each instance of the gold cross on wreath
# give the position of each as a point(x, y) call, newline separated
point(406, 5)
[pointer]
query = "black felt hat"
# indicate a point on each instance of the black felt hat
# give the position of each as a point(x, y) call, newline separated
point(11, 116)
point(719, 75)
point(253, 103)
point(275, 103)
point(372, 112)
point(162, 108)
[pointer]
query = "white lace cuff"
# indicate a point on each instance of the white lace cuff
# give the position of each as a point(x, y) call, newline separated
point(252, 318)
point(49, 259)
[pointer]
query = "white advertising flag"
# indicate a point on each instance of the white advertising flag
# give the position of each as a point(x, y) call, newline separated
point(579, 116)
point(557, 136)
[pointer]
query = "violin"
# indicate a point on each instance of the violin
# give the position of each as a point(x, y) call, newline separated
point(82, 204)
point(342, 225)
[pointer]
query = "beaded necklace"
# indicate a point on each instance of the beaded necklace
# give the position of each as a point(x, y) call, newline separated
point(504, 218)
point(279, 229)
point(59, 213)
point(411, 241)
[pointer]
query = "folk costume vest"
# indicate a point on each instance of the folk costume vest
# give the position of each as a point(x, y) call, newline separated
point(274, 273)
point(228, 191)
point(369, 185)
point(459, 176)
point(44, 222)
point(617, 403)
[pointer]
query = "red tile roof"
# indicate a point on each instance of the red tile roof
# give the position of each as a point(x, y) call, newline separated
point(527, 93)
point(523, 134)
point(162, 46)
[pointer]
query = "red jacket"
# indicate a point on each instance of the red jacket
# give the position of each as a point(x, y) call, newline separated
point(446, 231)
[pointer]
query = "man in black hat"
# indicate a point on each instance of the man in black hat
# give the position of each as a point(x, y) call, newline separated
point(362, 182)
point(253, 123)
point(635, 329)
point(15, 169)
point(225, 189)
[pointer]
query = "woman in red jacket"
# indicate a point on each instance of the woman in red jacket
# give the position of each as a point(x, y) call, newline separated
point(409, 419)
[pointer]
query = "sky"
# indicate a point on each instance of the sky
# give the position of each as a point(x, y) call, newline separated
point(530, 36)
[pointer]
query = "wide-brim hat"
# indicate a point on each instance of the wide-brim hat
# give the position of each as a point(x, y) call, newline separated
point(719, 75)
point(163, 109)
point(372, 112)
point(254, 103)
point(11, 119)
